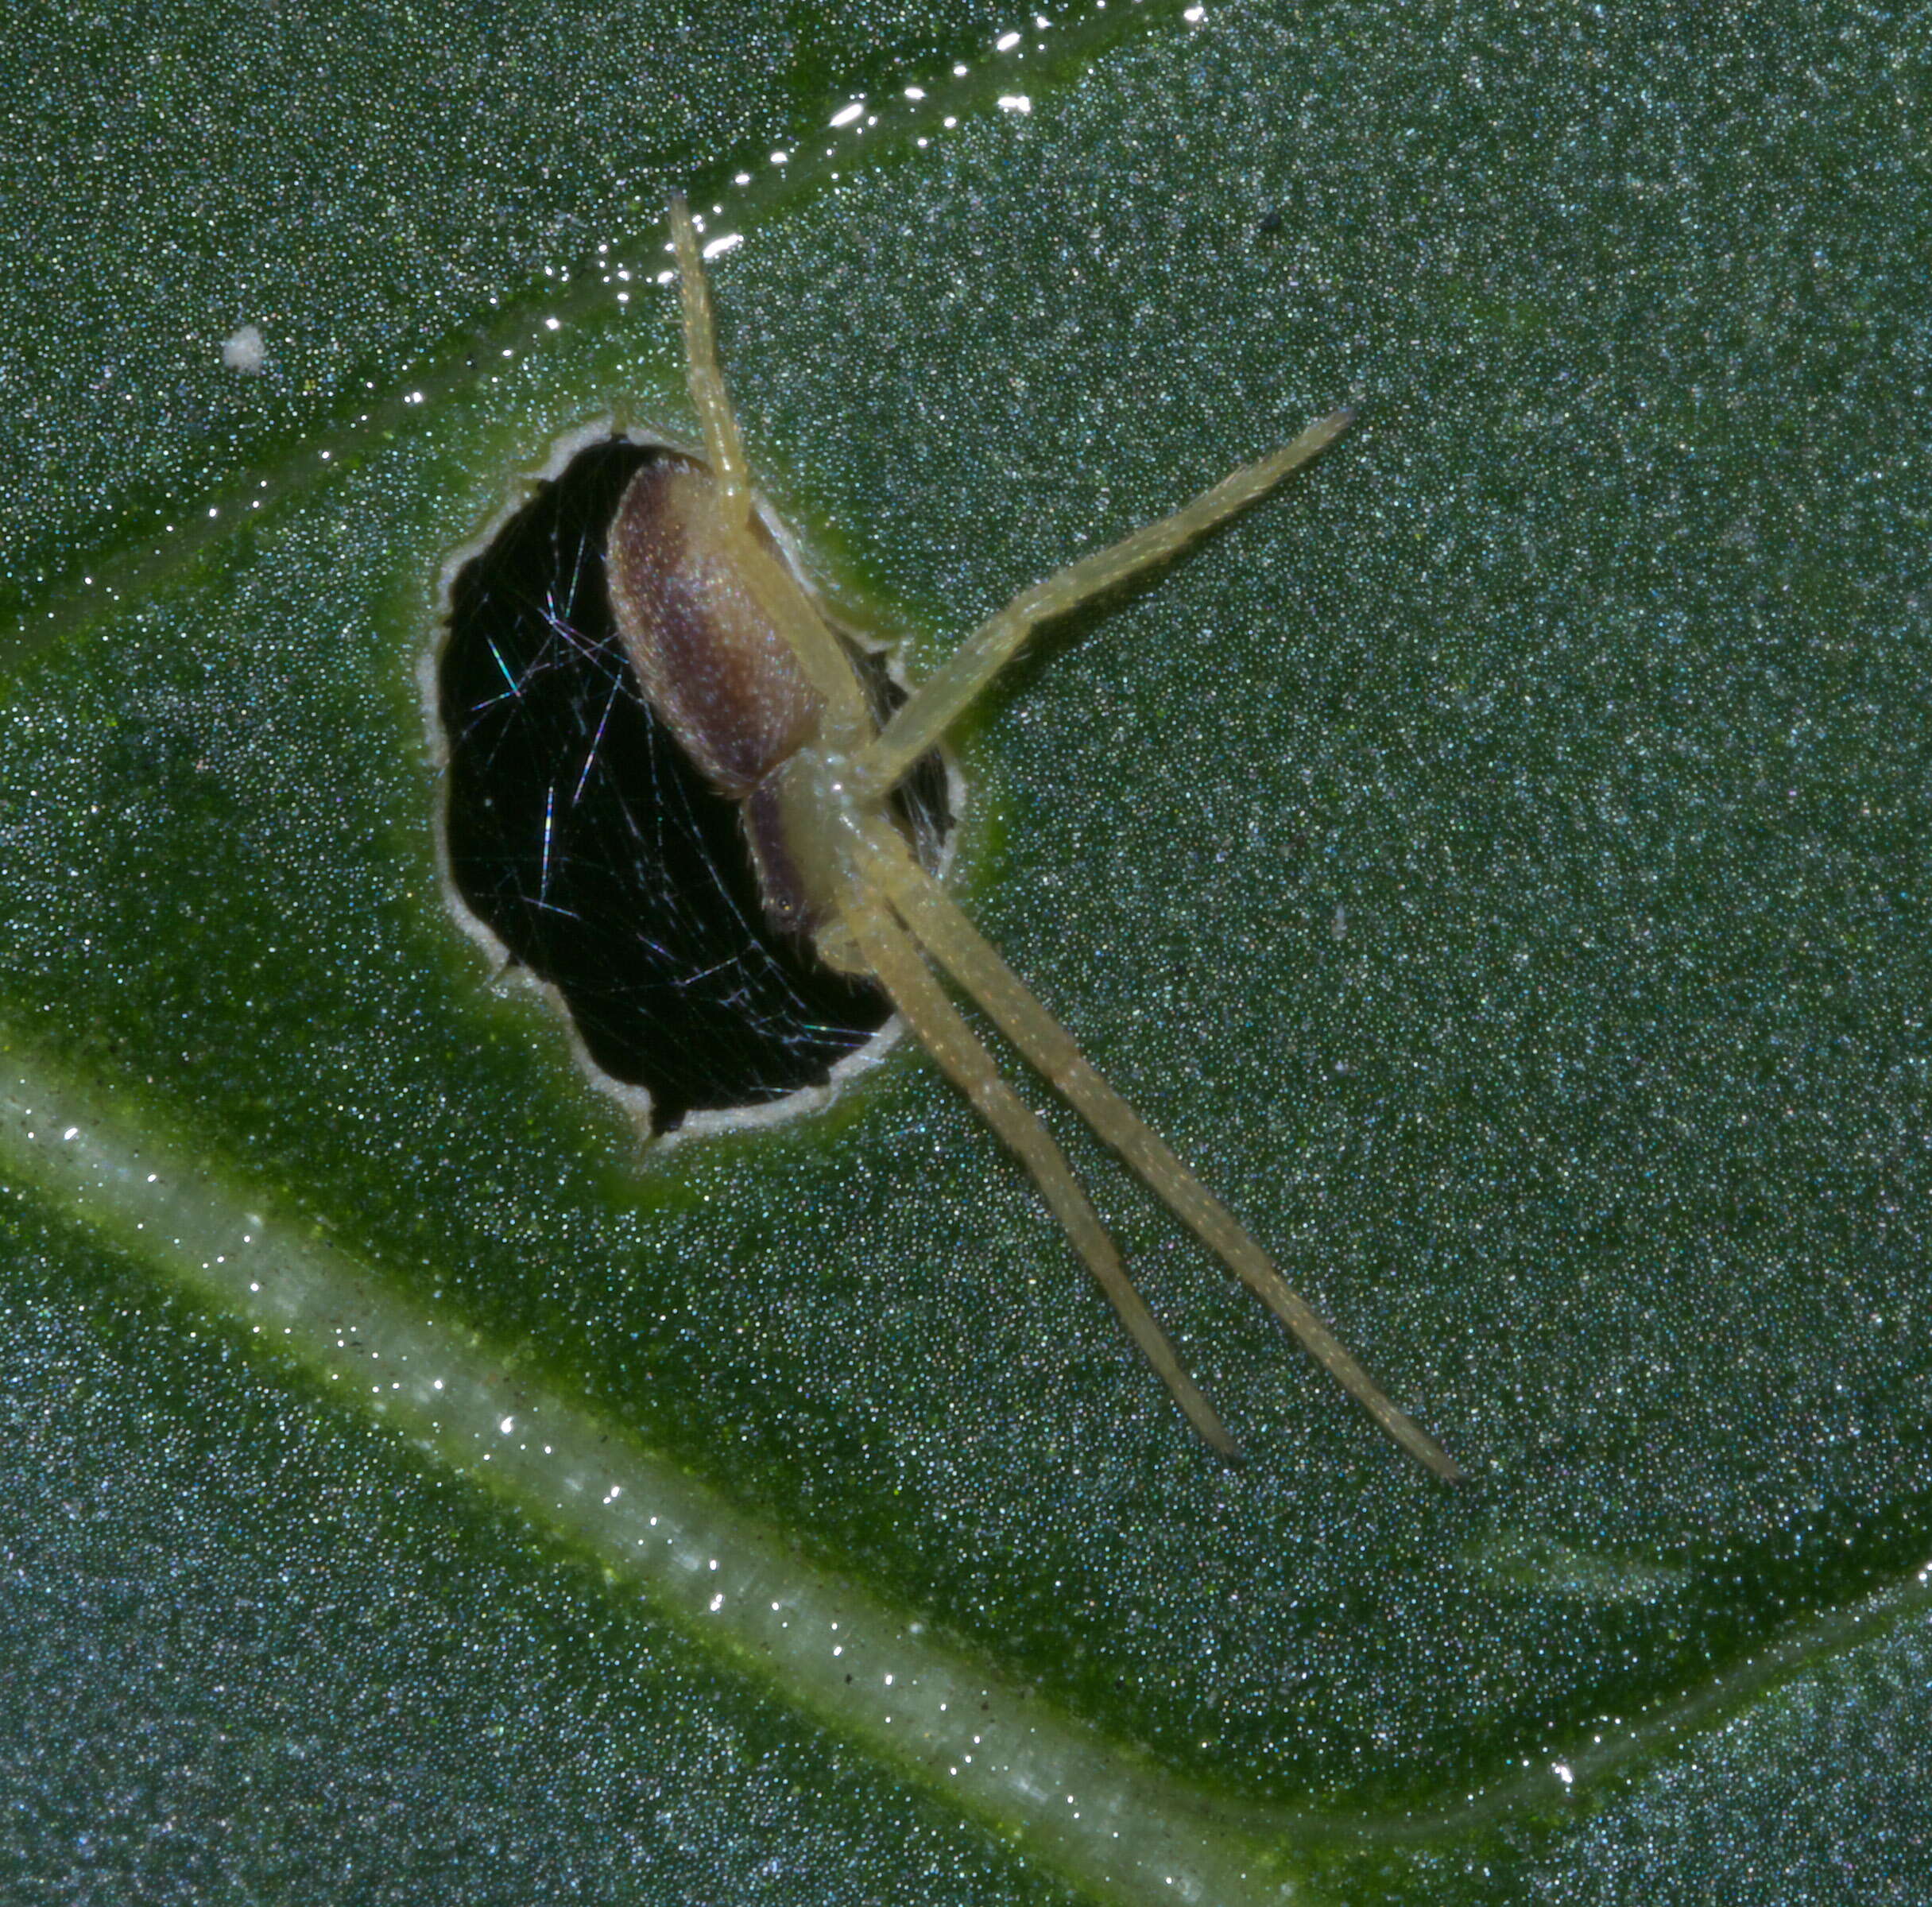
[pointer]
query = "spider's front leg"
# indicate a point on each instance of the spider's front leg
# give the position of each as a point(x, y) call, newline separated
point(921, 722)
point(977, 967)
point(702, 375)
point(937, 1024)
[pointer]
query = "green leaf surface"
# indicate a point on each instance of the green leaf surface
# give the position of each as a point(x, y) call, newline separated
point(1498, 862)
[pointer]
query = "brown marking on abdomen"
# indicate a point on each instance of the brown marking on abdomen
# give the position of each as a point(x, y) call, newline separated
point(711, 663)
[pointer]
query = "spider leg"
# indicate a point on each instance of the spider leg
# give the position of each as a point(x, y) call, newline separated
point(818, 652)
point(722, 448)
point(933, 707)
point(976, 965)
point(940, 1029)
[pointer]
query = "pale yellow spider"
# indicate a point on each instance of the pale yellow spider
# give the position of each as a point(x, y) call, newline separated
point(748, 674)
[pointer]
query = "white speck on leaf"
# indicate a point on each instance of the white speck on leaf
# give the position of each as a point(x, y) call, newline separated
point(243, 349)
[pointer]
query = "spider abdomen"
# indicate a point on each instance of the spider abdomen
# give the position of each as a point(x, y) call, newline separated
point(712, 662)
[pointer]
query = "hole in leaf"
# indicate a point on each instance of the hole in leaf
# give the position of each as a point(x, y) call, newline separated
point(578, 833)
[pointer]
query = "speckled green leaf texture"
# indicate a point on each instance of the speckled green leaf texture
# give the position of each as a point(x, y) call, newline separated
point(1500, 862)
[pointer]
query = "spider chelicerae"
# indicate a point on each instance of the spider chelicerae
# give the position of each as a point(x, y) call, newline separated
point(751, 678)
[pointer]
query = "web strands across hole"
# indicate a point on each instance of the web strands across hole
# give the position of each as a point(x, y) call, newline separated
point(581, 835)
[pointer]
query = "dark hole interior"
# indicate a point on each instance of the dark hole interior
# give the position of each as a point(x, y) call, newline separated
point(579, 831)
